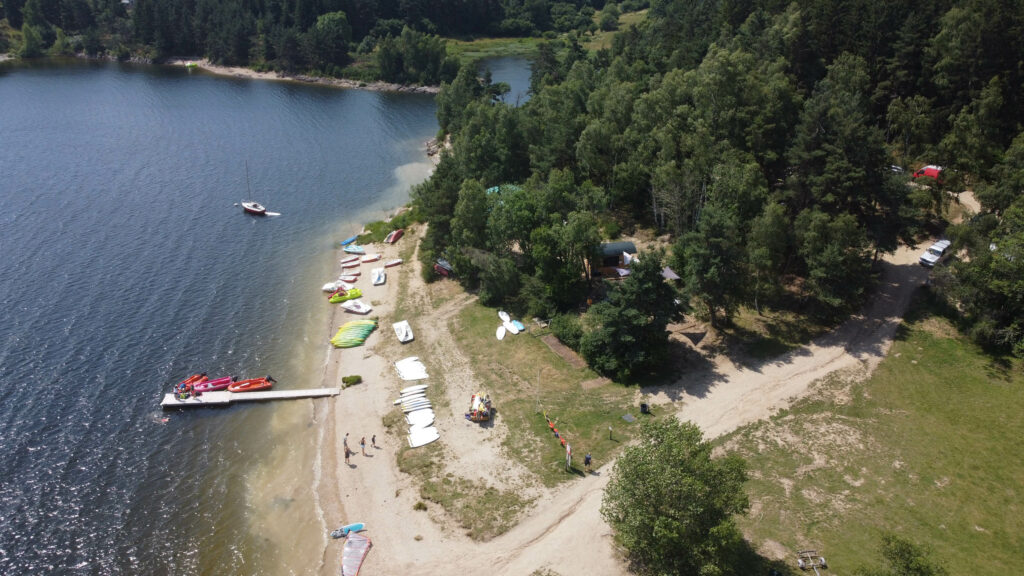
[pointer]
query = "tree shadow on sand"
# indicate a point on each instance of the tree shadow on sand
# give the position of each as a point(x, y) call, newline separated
point(865, 335)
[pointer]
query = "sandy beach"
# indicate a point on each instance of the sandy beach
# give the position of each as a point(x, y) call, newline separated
point(241, 72)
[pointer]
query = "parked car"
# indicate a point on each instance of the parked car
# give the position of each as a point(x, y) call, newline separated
point(934, 253)
point(442, 267)
point(931, 171)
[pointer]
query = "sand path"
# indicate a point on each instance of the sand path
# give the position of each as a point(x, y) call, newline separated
point(564, 532)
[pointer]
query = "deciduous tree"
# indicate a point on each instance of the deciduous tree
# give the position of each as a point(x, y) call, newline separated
point(671, 504)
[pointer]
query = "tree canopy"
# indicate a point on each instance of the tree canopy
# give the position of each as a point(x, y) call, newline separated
point(672, 505)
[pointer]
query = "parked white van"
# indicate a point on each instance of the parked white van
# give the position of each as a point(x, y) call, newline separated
point(934, 253)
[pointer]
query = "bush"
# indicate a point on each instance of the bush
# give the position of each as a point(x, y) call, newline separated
point(351, 380)
point(419, 506)
point(568, 329)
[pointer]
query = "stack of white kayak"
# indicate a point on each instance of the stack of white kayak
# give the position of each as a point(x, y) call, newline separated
point(411, 369)
point(419, 415)
point(508, 325)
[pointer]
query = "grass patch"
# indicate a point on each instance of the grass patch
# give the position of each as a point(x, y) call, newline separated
point(470, 50)
point(377, 230)
point(602, 39)
point(927, 448)
point(774, 333)
point(482, 511)
point(525, 379)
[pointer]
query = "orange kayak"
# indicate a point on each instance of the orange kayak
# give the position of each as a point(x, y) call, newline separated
point(252, 384)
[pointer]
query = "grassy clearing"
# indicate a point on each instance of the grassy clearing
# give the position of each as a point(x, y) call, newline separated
point(601, 40)
point(525, 379)
point(928, 448)
point(774, 333)
point(469, 50)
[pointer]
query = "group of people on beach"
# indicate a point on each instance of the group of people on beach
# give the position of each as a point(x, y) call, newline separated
point(362, 446)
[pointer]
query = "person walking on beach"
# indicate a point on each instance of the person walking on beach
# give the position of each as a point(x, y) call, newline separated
point(347, 454)
point(345, 440)
point(362, 445)
point(373, 441)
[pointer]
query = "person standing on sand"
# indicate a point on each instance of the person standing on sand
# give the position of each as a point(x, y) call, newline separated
point(347, 454)
point(362, 445)
point(373, 441)
point(345, 441)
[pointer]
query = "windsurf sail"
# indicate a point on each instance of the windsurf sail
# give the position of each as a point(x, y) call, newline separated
point(356, 548)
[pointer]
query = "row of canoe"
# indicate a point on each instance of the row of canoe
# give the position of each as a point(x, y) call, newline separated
point(199, 383)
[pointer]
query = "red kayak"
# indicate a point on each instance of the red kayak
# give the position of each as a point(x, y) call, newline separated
point(213, 385)
point(252, 384)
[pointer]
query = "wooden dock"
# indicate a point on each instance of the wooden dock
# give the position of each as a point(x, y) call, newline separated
point(223, 397)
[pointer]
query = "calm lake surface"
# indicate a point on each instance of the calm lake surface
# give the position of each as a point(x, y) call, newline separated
point(514, 71)
point(126, 267)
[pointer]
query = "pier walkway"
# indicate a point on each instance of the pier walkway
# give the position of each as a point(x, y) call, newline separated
point(223, 397)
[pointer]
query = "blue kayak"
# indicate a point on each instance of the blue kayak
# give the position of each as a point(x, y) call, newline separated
point(519, 325)
point(348, 241)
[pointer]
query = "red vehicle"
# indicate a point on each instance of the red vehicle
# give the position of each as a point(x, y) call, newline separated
point(931, 171)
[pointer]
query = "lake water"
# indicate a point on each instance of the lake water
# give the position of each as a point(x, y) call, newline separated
point(514, 71)
point(127, 266)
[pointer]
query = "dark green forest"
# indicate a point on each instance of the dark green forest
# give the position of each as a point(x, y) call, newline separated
point(396, 40)
point(773, 141)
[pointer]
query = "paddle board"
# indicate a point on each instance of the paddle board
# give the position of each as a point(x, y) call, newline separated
point(504, 316)
point(349, 240)
point(421, 418)
point(511, 328)
point(423, 437)
point(408, 409)
point(420, 427)
point(409, 398)
point(413, 388)
point(416, 400)
point(500, 333)
point(350, 259)
point(519, 325)
point(347, 529)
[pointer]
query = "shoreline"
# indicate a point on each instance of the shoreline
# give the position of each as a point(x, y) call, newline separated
point(250, 74)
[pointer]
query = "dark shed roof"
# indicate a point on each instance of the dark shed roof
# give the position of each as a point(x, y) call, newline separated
point(610, 249)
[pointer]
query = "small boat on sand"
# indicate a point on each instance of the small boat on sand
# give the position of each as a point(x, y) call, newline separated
point(370, 258)
point(349, 259)
point(345, 295)
point(354, 249)
point(349, 240)
point(356, 307)
point(394, 235)
point(394, 262)
point(215, 384)
point(348, 279)
point(378, 275)
point(403, 331)
point(350, 265)
point(252, 384)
